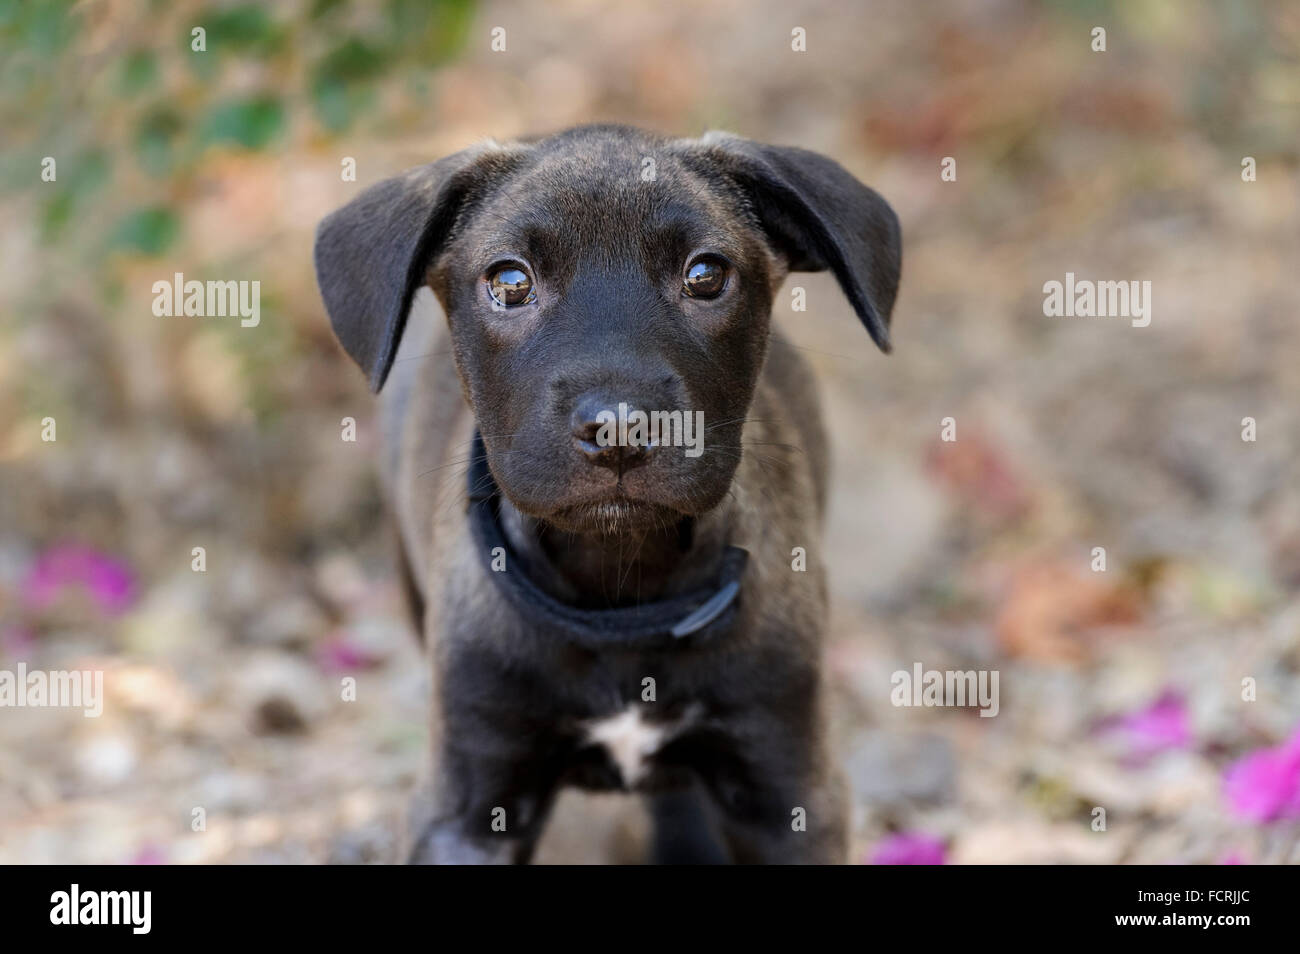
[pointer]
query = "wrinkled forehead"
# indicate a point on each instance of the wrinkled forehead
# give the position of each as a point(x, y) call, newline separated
point(615, 200)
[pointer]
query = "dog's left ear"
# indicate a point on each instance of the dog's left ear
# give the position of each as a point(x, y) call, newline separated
point(372, 255)
point(819, 217)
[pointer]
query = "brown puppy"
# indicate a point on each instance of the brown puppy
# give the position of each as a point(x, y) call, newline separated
point(612, 606)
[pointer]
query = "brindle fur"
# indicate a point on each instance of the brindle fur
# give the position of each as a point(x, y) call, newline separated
point(748, 707)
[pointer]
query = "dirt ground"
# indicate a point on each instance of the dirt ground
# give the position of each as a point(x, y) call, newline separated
point(1139, 689)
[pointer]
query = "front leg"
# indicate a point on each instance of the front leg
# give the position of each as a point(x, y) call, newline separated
point(781, 799)
point(496, 767)
point(481, 810)
point(807, 826)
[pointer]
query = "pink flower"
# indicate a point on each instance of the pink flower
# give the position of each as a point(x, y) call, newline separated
point(909, 848)
point(109, 582)
point(337, 655)
point(1160, 726)
point(1265, 785)
point(148, 855)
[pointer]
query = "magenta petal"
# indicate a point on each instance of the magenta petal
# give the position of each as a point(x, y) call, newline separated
point(1162, 725)
point(909, 849)
point(338, 656)
point(1265, 785)
point(148, 855)
point(109, 582)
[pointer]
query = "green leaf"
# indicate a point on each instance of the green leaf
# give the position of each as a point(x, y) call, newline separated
point(351, 61)
point(430, 29)
point(149, 231)
point(56, 213)
point(46, 27)
point(242, 29)
point(154, 140)
point(338, 104)
point(79, 177)
point(88, 172)
point(251, 123)
point(323, 9)
point(452, 22)
point(340, 85)
point(139, 72)
point(9, 11)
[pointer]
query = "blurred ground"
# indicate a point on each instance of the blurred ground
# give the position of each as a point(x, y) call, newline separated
point(1120, 689)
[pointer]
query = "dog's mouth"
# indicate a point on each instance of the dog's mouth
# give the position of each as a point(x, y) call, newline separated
point(614, 514)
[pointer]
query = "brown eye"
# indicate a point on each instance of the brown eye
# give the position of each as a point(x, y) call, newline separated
point(510, 286)
point(705, 278)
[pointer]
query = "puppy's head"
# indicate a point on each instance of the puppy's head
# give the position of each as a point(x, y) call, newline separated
point(603, 267)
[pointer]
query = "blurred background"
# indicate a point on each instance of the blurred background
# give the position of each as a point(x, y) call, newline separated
point(1120, 689)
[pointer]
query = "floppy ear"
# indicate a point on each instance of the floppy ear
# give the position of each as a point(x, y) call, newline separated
point(372, 254)
point(819, 217)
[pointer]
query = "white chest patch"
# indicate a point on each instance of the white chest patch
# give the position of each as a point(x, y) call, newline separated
point(630, 740)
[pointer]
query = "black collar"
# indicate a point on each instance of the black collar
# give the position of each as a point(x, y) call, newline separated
point(705, 612)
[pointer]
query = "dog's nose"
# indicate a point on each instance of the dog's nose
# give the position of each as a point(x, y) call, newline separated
point(602, 433)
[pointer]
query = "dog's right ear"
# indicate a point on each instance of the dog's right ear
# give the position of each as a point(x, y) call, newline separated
point(372, 254)
point(821, 217)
